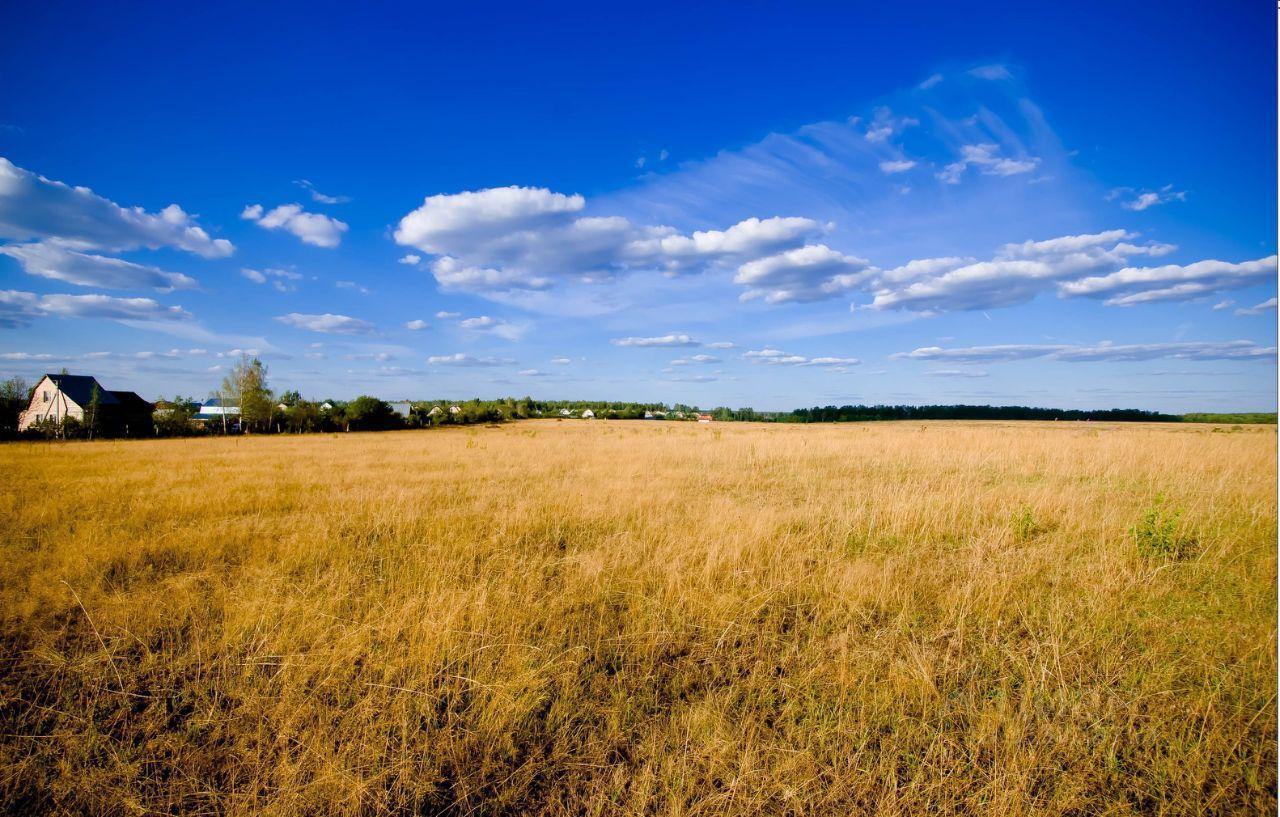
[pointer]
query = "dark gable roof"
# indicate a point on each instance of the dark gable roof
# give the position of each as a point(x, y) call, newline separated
point(79, 387)
point(130, 401)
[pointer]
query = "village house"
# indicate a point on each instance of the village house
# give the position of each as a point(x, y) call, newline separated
point(403, 408)
point(588, 415)
point(218, 410)
point(61, 397)
point(705, 418)
point(436, 411)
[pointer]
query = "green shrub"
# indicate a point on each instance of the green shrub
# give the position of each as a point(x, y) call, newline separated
point(1158, 534)
point(1025, 524)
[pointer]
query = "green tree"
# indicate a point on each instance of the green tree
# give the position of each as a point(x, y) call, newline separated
point(367, 413)
point(95, 405)
point(15, 396)
point(246, 387)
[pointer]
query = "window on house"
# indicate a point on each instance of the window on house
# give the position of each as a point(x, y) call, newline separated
point(46, 395)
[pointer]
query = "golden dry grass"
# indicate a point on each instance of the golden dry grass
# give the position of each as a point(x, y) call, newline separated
point(640, 618)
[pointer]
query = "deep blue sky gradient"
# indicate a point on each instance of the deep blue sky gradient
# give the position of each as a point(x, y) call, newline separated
point(216, 106)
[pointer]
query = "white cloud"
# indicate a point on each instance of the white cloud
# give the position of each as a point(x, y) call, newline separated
point(722, 344)
point(531, 373)
point(328, 323)
point(1224, 304)
point(662, 340)
point(892, 166)
point(955, 373)
point(1201, 350)
point(453, 276)
point(445, 316)
point(1171, 282)
point(516, 238)
point(353, 286)
point(775, 357)
point(453, 224)
point(1139, 200)
point(460, 359)
point(692, 359)
point(48, 260)
point(994, 71)
point(312, 228)
point(884, 125)
point(1075, 266)
point(986, 158)
point(1266, 306)
point(412, 259)
point(561, 361)
point(416, 325)
point(317, 196)
point(19, 309)
point(493, 326)
point(933, 80)
point(281, 279)
point(811, 273)
point(33, 207)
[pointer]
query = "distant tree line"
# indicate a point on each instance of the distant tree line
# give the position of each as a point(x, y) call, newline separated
point(262, 411)
point(852, 414)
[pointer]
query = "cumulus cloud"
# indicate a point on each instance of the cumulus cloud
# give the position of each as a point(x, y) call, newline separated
point(892, 166)
point(1093, 265)
point(722, 344)
point(986, 158)
point(502, 240)
point(353, 286)
point(19, 309)
point(662, 340)
point(531, 373)
point(317, 196)
point(775, 357)
point(460, 359)
point(412, 259)
point(312, 228)
point(416, 325)
point(1139, 200)
point(1170, 282)
point(445, 316)
point(33, 207)
point(281, 279)
point(811, 273)
point(493, 326)
point(692, 359)
point(561, 361)
point(453, 224)
point(48, 260)
point(1266, 306)
point(1193, 350)
point(328, 323)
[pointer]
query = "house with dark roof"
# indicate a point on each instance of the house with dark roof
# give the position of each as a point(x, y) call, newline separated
point(61, 397)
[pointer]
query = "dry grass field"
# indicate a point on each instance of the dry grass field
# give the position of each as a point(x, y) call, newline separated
point(568, 618)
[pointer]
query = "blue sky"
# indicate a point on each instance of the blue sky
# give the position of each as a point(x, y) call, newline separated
point(758, 204)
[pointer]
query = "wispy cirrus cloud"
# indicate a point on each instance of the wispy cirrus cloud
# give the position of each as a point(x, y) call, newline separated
point(1192, 350)
point(49, 260)
point(33, 207)
point(660, 340)
point(462, 359)
point(327, 323)
point(19, 309)
point(1139, 200)
point(774, 357)
point(319, 197)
